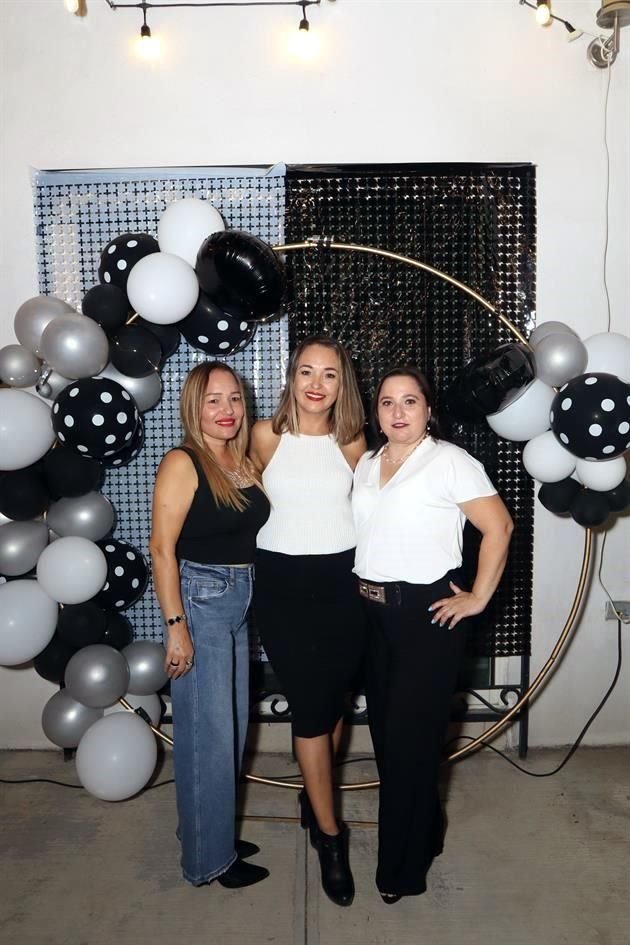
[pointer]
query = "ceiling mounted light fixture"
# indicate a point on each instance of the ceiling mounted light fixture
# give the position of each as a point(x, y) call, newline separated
point(543, 12)
point(144, 5)
point(602, 50)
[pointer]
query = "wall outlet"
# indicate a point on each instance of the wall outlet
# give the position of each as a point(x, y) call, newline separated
point(621, 606)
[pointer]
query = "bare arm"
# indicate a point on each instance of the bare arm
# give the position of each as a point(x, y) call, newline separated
point(354, 451)
point(172, 497)
point(263, 444)
point(490, 516)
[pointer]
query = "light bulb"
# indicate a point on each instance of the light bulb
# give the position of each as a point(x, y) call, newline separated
point(147, 46)
point(543, 12)
point(303, 43)
point(72, 6)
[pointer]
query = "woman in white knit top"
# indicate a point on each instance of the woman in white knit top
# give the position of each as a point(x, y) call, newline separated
point(307, 604)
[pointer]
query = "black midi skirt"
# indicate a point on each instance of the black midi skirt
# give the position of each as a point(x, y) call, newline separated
point(312, 626)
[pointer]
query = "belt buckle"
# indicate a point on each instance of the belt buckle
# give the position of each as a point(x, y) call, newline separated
point(373, 592)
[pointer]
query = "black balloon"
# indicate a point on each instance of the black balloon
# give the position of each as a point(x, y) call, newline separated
point(135, 351)
point(167, 335)
point(590, 416)
point(81, 624)
point(68, 474)
point(558, 496)
point(590, 508)
point(619, 499)
point(127, 574)
point(23, 493)
point(52, 661)
point(120, 256)
point(242, 275)
point(107, 305)
point(483, 384)
point(118, 632)
point(95, 416)
point(131, 451)
point(211, 330)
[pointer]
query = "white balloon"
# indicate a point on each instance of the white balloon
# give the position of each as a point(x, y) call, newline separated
point(184, 226)
point(559, 357)
point(152, 705)
point(72, 569)
point(116, 756)
point(609, 353)
point(162, 288)
point(526, 415)
point(26, 430)
point(547, 328)
point(28, 617)
point(546, 460)
point(601, 475)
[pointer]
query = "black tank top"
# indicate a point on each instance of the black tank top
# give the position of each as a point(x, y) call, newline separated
point(218, 534)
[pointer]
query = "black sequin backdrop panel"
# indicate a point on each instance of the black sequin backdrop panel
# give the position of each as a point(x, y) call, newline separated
point(76, 214)
point(476, 223)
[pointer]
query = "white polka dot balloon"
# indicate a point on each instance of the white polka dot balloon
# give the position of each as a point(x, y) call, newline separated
point(96, 417)
point(212, 330)
point(590, 416)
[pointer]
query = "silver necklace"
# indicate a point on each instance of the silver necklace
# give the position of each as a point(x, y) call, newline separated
point(398, 462)
point(239, 477)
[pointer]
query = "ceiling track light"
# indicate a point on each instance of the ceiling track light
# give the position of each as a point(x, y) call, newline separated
point(603, 50)
point(145, 5)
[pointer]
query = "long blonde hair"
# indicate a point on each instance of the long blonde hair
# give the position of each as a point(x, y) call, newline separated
point(346, 417)
point(225, 492)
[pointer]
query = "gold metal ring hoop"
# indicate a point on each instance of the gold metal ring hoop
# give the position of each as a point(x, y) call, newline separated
point(578, 598)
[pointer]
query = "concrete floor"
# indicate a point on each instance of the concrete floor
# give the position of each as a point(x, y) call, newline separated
point(527, 861)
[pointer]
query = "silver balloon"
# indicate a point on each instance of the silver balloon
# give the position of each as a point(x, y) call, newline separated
point(65, 721)
point(548, 328)
point(146, 666)
point(116, 756)
point(21, 544)
point(75, 346)
point(559, 357)
point(19, 367)
point(33, 316)
point(97, 675)
point(146, 391)
point(88, 516)
point(51, 383)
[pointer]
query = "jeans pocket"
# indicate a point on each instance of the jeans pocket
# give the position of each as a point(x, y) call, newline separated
point(209, 587)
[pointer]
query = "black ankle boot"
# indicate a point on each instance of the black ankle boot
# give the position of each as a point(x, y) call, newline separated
point(242, 874)
point(307, 816)
point(337, 881)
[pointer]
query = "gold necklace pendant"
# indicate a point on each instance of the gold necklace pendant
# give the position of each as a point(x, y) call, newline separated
point(239, 477)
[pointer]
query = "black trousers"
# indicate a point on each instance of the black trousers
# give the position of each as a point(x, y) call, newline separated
point(412, 670)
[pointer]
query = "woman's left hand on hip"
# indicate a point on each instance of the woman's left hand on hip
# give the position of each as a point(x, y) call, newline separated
point(450, 610)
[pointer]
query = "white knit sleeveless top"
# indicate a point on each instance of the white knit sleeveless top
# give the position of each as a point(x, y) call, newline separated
point(308, 482)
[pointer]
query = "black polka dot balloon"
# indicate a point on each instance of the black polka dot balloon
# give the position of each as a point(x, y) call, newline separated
point(212, 330)
point(590, 416)
point(96, 417)
point(130, 452)
point(120, 256)
point(127, 574)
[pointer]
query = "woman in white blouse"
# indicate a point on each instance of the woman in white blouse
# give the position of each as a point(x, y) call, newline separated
point(411, 498)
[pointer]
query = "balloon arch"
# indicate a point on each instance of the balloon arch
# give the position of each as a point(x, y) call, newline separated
point(568, 400)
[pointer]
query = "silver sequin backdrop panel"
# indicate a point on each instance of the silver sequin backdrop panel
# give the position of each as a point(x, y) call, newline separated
point(76, 214)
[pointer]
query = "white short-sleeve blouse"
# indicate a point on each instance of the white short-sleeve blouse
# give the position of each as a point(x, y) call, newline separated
point(411, 529)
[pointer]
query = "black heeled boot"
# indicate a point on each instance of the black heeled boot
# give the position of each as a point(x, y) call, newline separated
point(337, 881)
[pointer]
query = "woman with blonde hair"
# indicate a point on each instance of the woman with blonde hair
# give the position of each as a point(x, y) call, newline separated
point(208, 506)
point(307, 605)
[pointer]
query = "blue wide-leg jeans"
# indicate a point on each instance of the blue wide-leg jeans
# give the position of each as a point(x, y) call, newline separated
point(210, 714)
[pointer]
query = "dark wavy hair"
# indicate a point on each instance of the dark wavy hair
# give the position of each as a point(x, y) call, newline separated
point(406, 370)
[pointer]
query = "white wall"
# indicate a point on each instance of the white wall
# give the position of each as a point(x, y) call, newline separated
point(456, 80)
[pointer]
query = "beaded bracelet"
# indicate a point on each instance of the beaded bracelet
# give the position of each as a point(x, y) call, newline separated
point(179, 618)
